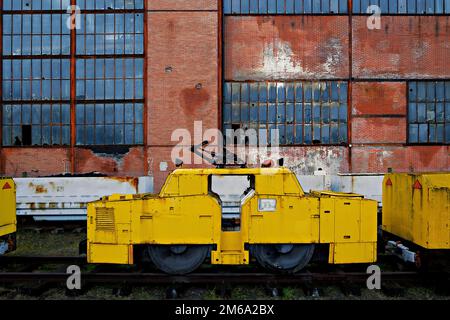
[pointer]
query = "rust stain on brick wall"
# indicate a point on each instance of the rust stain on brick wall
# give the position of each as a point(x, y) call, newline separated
point(286, 47)
point(378, 98)
point(400, 159)
point(130, 163)
point(192, 99)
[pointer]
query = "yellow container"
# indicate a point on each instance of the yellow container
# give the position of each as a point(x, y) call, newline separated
point(7, 206)
point(7, 215)
point(416, 208)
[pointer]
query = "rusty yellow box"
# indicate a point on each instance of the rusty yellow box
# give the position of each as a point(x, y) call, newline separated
point(416, 208)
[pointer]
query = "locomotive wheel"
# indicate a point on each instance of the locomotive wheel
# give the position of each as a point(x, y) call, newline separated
point(285, 258)
point(177, 259)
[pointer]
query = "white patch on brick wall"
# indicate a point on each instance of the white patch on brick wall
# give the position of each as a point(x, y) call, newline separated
point(327, 159)
point(334, 52)
point(278, 61)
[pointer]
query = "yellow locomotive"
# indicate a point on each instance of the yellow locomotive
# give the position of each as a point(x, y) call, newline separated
point(7, 215)
point(269, 218)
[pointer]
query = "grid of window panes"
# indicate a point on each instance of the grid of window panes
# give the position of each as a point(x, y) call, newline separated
point(111, 33)
point(285, 6)
point(36, 79)
point(19, 5)
point(35, 34)
point(36, 124)
point(110, 4)
point(35, 73)
point(429, 112)
point(109, 73)
point(415, 7)
point(304, 112)
point(110, 124)
point(110, 78)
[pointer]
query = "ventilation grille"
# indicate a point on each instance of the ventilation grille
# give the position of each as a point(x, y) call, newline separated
point(104, 220)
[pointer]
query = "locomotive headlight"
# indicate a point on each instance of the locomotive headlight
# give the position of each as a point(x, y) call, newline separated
point(267, 205)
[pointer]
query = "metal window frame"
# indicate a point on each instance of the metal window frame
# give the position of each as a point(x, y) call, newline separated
point(73, 56)
point(408, 101)
point(268, 123)
point(351, 8)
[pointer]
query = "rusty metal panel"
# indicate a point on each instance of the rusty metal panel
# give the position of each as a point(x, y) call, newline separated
point(286, 47)
point(66, 198)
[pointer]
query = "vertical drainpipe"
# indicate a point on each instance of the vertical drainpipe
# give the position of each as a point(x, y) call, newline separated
point(145, 140)
point(350, 84)
point(2, 169)
point(73, 94)
point(220, 54)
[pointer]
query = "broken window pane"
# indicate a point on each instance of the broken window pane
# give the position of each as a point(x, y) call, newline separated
point(290, 106)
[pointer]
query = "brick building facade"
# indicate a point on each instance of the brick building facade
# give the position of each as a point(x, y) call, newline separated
point(347, 98)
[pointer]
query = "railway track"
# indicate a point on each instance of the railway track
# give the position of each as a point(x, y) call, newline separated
point(208, 276)
point(213, 278)
point(35, 275)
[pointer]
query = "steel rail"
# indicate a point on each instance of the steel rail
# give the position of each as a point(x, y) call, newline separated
point(79, 260)
point(217, 278)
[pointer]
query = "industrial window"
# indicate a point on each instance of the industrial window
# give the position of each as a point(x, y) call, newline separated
point(429, 112)
point(112, 78)
point(284, 6)
point(111, 33)
point(36, 73)
point(18, 5)
point(36, 124)
point(304, 112)
point(110, 4)
point(110, 124)
point(36, 79)
point(110, 73)
point(404, 6)
point(35, 34)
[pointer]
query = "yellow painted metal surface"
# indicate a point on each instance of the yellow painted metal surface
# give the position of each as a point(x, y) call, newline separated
point(7, 206)
point(186, 212)
point(110, 253)
point(356, 252)
point(416, 208)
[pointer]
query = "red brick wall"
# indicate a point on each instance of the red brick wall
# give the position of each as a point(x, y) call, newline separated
point(285, 47)
point(405, 47)
point(183, 86)
point(379, 98)
point(185, 42)
point(400, 159)
point(174, 5)
point(378, 130)
point(32, 162)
